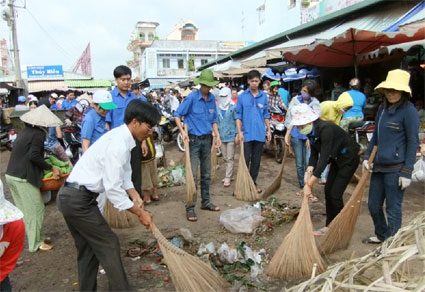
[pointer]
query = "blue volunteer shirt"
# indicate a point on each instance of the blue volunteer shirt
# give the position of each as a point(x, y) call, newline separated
point(199, 115)
point(284, 95)
point(252, 111)
point(115, 117)
point(93, 126)
point(66, 104)
point(359, 102)
point(54, 107)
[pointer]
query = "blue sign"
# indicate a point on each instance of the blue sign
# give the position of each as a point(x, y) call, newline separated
point(48, 72)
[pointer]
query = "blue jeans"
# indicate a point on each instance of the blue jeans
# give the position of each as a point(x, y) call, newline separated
point(200, 153)
point(302, 155)
point(384, 187)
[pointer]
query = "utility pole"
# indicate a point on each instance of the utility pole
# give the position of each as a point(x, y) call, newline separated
point(12, 23)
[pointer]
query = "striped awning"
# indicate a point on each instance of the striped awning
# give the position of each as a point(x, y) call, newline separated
point(37, 86)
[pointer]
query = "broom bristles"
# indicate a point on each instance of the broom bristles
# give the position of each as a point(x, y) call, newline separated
point(119, 219)
point(245, 189)
point(188, 272)
point(214, 159)
point(341, 228)
point(190, 182)
point(275, 185)
point(296, 256)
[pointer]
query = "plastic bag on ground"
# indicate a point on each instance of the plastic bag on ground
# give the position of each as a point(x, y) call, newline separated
point(227, 255)
point(241, 220)
point(178, 175)
point(418, 174)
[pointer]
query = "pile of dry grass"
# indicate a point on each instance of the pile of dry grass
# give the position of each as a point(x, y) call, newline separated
point(188, 272)
point(245, 189)
point(190, 182)
point(119, 219)
point(275, 185)
point(214, 159)
point(298, 254)
point(341, 228)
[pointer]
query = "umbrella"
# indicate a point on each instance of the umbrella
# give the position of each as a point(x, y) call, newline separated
point(344, 49)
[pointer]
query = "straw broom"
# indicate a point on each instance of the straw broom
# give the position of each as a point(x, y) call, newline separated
point(214, 159)
point(188, 272)
point(245, 189)
point(119, 219)
point(341, 228)
point(298, 253)
point(190, 182)
point(275, 185)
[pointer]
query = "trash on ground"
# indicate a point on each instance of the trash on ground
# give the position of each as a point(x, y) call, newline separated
point(172, 175)
point(177, 241)
point(241, 220)
point(206, 249)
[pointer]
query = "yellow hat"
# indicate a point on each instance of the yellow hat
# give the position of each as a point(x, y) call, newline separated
point(396, 79)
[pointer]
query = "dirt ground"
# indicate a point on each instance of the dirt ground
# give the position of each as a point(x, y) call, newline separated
point(56, 270)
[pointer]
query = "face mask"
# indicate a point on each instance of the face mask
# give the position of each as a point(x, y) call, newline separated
point(305, 95)
point(307, 129)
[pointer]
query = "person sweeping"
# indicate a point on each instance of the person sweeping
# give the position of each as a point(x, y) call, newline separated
point(329, 144)
point(105, 167)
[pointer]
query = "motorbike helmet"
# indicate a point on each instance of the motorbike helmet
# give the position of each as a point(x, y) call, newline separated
point(22, 99)
point(82, 105)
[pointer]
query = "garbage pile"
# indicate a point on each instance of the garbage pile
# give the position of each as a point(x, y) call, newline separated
point(171, 176)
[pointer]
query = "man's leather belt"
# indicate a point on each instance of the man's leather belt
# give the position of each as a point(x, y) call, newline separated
point(79, 188)
point(203, 137)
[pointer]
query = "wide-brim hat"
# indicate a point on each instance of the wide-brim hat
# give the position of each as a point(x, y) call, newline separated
point(42, 117)
point(8, 212)
point(206, 78)
point(396, 79)
point(302, 114)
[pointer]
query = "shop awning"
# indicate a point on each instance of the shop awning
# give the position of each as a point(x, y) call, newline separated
point(88, 83)
point(37, 86)
point(388, 50)
point(256, 60)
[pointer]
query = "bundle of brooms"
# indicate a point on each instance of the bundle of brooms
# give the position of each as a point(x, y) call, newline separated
point(275, 185)
point(298, 254)
point(188, 272)
point(119, 219)
point(190, 182)
point(245, 189)
point(214, 159)
point(341, 228)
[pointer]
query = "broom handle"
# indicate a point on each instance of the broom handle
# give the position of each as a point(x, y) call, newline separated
point(372, 155)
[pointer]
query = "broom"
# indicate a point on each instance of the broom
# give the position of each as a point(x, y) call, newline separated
point(214, 159)
point(245, 189)
point(341, 228)
point(188, 272)
point(190, 182)
point(119, 219)
point(298, 253)
point(275, 185)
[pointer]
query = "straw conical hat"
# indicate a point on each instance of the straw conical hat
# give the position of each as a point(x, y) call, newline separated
point(41, 116)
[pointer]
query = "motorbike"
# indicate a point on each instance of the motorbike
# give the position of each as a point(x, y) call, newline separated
point(362, 132)
point(7, 134)
point(72, 141)
point(159, 147)
point(278, 131)
point(168, 128)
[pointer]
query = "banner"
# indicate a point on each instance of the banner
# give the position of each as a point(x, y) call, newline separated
point(48, 72)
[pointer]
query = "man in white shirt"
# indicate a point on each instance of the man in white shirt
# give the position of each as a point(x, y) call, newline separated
point(105, 167)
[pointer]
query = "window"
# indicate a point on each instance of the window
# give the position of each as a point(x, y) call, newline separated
point(150, 38)
point(165, 63)
point(142, 36)
point(180, 63)
point(204, 61)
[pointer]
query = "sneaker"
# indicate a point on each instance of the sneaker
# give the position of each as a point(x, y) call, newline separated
point(372, 240)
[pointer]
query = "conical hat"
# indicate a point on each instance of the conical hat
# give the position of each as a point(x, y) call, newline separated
point(42, 117)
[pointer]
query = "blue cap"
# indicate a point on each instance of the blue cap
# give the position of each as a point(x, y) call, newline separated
point(22, 98)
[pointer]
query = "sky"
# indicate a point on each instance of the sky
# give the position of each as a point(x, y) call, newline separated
point(56, 32)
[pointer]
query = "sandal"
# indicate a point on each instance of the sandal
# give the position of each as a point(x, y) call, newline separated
point(259, 190)
point(191, 215)
point(320, 231)
point(45, 247)
point(300, 193)
point(211, 207)
point(314, 199)
point(156, 199)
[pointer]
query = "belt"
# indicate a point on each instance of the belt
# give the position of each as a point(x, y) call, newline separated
point(203, 137)
point(79, 188)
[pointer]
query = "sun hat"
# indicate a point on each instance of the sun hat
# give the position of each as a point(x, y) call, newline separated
point(303, 114)
point(22, 98)
point(8, 212)
point(42, 117)
point(206, 78)
point(104, 99)
point(396, 79)
point(32, 98)
point(61, 96)
point(54, 95)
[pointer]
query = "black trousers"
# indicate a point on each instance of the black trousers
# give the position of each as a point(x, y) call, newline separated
point(136, 167)
point(340, 174)
point(94, 240)
point(253, 151)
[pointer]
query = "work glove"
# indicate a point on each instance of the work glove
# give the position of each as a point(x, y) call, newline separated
point(404, 182)
point(365, 166)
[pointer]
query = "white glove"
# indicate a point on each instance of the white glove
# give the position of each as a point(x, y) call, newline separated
point(404, 182)
point(365, 165)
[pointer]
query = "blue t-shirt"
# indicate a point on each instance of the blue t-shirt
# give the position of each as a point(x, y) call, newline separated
point(359, 102)
point(66, 104)
point(199, 115)
point(93, 126)
point(252, 111)
point(54, 107)
point(115, 117)
point(284, 95)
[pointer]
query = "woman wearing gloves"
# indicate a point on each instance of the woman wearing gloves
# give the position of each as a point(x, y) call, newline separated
point(396, 135)
point(329, 144)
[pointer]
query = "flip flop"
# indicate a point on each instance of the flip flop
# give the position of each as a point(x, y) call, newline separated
point(147, 202)
point(156, 199)
point(259, 190)
point(299, 193)
point(211, 207)
point(45, 247)
point(319, 232)
point(314, 199)
point(191, 215)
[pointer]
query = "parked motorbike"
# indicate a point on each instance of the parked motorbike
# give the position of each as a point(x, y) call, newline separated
point(159, 147)
point(278, 131)
point(72, 141)
point(168, 128)
point(362, 132)
point(7, 134)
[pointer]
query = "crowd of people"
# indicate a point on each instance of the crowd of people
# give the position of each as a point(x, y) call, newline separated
point(118, 156)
